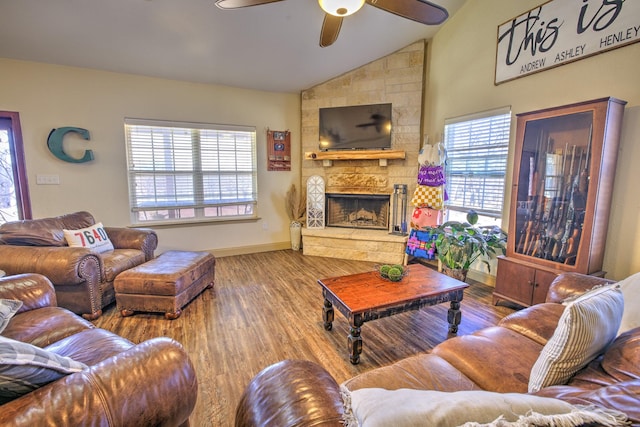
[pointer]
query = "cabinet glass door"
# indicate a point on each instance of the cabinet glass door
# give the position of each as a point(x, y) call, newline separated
point(552, 186)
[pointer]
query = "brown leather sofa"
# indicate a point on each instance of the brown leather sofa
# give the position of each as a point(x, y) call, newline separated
point(152, 383)
point(83, 280)
point(497, 358)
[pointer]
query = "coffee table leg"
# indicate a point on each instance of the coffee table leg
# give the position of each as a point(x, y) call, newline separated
point(354, 340)
point(327, 315)
point(454, 316)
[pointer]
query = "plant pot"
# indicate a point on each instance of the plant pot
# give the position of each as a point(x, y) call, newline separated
point(295, 232)
point(456, 273)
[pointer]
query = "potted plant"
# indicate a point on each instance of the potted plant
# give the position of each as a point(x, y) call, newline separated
point(296, 205)
point(460, 244)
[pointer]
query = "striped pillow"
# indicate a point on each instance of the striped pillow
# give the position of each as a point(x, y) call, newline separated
point(25, 367)
point(8, 307)
point(587, 326)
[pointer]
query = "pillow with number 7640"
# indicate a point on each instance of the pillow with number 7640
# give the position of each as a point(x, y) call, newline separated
point(93, 238)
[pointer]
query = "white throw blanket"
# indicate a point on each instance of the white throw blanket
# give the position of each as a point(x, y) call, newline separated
point(373, 407)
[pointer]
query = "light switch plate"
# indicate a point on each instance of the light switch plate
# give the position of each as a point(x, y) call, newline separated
point(47, 179)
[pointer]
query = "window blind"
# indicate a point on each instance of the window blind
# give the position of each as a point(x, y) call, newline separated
point(190, 170)
point(477, 147)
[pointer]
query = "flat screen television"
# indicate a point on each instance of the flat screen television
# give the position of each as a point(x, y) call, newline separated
point(358, 127)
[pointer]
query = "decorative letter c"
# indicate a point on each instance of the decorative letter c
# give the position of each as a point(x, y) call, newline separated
point(54, 142)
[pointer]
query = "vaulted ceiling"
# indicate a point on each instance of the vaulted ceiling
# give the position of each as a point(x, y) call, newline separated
point(272, 47)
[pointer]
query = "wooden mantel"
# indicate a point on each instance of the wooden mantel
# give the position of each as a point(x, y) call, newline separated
point(381, 155)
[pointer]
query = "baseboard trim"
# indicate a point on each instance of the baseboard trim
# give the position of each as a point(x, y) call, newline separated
point(482, 277)
point(473, 274)
point(243, 250)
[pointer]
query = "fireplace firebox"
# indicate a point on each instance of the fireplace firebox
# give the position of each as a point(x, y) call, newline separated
point(358, 210)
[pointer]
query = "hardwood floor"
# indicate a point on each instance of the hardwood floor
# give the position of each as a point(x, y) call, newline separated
point(267, 307)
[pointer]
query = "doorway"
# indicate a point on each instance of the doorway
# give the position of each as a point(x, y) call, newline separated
point(14, 190)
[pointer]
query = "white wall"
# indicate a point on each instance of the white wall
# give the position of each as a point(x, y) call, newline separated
point(49, 96)
point(461, 81)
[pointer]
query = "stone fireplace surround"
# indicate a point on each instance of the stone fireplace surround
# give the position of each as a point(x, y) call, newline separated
point(364, 244)
point(397, 79)
point(357, 240)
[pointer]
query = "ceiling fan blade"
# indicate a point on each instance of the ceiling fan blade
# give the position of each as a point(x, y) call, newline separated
point(236, 4)
point(421, 11)
point(330, 29)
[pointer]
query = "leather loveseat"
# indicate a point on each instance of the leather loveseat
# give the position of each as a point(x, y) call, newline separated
point(497, 359)
point(149, 384)
point(83, 279)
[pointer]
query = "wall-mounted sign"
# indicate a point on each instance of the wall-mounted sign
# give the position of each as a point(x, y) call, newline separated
point(561, 31)
point(54, 142)
point(278, 150)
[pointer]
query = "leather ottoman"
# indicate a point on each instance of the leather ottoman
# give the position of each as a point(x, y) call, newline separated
point(165, 284)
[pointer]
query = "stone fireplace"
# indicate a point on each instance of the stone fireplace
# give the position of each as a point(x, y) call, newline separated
point(397, 79)
point(357, 226)
point(369, 211)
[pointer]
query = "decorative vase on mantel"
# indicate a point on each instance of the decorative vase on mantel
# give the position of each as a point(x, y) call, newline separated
point(456, 273)
point(295, 231)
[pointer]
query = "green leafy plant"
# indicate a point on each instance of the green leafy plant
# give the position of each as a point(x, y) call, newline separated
point(460, 244)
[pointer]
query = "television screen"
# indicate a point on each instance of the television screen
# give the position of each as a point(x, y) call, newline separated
point(358, 127)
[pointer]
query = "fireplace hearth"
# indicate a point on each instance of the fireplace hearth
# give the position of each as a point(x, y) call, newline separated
point(370, 211)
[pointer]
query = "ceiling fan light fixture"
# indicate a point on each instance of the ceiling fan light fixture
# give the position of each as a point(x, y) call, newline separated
point(341, 7)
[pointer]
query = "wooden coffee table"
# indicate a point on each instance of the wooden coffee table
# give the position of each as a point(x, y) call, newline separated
point(367, 296)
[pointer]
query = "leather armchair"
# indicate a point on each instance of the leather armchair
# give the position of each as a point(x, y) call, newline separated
point(151, 383)
point(83, 280)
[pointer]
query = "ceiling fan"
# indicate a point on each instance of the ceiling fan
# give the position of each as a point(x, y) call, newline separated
point(421, 11)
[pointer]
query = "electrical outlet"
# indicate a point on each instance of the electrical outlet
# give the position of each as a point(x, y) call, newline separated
point(265, 225)
point(47, 179)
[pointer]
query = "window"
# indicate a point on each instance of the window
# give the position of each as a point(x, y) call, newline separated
point(477, 147)
point(14, 191)
point(190, 171)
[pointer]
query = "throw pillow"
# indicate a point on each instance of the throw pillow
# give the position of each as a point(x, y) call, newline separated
point(425, 217)
point(428, 197)
point(630, 288)
point(31, 233)
point(8, 307)
point(93, 238)
point(25, 367)
point(421, 244)
point(587, 326)
point(373, 407)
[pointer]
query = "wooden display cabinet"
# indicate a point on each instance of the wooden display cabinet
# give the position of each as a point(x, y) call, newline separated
point(564, 166)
